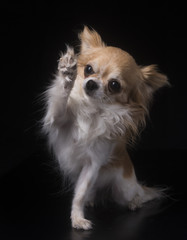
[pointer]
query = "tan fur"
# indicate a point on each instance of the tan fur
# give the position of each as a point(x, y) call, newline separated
point(93, 112)
point(120, 159)
point(138, 83)
point(90, 39)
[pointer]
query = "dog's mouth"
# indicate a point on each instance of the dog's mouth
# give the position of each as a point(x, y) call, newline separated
point(96, 91)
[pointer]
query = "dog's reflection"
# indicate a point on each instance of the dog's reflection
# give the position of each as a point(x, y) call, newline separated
point(123, 225)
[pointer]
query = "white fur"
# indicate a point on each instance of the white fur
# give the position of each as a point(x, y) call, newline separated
point(82, 135)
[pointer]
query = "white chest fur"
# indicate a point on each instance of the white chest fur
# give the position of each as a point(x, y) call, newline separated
point(88, 135)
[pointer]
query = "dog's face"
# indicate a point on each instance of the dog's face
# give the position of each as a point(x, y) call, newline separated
point(108, 73)
point(111, 75)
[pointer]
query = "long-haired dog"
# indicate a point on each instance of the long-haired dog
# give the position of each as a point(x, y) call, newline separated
point(95, 107)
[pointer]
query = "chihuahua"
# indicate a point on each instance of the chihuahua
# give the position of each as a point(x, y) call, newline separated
point(95, 108)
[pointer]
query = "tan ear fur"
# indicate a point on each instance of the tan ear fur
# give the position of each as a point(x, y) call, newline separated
point(90, 39)
point(153, 78)
point(141, 95)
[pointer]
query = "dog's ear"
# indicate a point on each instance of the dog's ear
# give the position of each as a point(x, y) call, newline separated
point(90, 39)
point(153, 79)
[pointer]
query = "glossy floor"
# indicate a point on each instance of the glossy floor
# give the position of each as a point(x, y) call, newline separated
point(36, 205)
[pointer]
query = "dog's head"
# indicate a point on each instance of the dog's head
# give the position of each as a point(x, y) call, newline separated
point(109, 74)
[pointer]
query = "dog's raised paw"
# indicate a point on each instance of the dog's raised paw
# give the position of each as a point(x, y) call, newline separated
point(67, 65)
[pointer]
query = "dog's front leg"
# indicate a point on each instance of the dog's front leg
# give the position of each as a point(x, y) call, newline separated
point(83, 187)
point(58, 93)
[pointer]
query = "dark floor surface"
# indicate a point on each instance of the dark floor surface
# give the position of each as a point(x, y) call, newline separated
point(36, 205)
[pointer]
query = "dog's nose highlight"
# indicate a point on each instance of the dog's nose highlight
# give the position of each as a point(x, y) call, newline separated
point(91, 85)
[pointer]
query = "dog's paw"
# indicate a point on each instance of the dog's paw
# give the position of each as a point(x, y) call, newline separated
point(81, 223)
point(135, 203)
point(67, 65)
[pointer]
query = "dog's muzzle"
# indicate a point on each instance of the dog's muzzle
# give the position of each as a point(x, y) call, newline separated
point(91, 86)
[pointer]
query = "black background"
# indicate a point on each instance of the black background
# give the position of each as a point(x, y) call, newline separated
point(32, 36)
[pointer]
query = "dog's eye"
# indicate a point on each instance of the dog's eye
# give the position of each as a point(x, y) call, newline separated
point(114, 86)
point(88, 70)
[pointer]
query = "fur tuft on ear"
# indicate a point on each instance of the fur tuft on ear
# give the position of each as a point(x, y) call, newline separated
point(153, 78)
point(90, 39)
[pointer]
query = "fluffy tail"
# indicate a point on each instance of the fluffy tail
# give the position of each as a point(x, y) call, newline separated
point(147, 194)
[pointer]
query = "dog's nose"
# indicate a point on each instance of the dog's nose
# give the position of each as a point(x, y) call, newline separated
point(91, 86)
